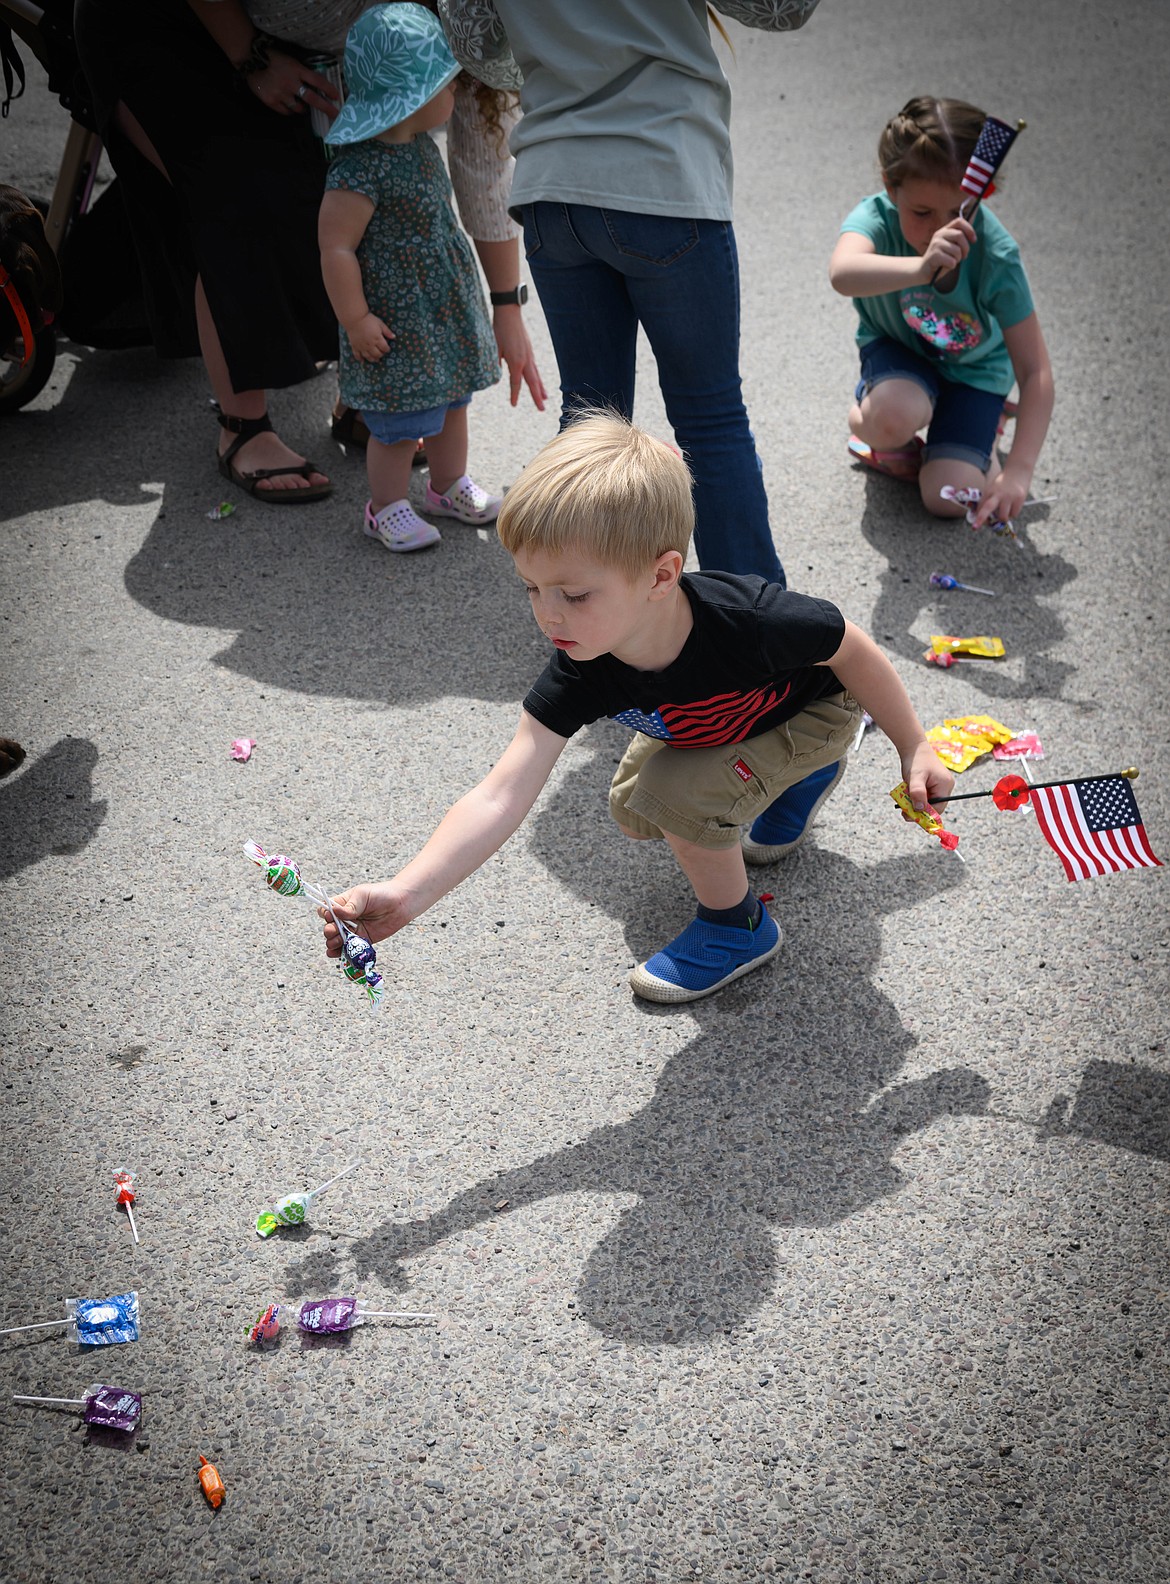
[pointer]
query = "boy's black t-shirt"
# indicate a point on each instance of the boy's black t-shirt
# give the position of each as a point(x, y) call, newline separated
point(749, 663)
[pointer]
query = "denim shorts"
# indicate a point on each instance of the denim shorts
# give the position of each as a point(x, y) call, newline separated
point(964, 420)
point(390, 428)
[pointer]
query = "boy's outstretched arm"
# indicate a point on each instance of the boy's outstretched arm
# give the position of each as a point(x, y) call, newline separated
point(467, 835)
point(861, 667)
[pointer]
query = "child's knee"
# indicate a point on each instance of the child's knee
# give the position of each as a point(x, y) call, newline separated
point(893, 411)
point(941, 471)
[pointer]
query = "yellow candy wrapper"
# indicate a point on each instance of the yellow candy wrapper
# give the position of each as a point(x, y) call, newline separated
point(955, 749)
point(982, 727)
point(982, 648)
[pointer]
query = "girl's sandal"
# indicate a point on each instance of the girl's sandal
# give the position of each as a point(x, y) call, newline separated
point(246, 429)
point(905, 463)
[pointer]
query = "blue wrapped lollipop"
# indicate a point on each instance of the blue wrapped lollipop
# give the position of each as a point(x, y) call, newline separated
point(93, 1322)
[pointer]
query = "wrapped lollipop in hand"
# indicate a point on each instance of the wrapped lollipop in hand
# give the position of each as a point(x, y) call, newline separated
point(359, 958)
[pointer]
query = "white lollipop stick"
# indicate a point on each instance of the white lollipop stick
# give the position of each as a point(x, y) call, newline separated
point(394, 1314)
point(41, 1325)
point(313, 1192)
point(133, 1228)
point(64, 1402)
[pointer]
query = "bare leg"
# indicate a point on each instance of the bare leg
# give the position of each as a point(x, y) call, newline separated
point(717, 874)
point(447, 451)
point(891, 414)
point(388, 471)
point(945, 470)
point(265, 450)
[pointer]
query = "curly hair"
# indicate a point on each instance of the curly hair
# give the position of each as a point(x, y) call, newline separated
point(493, 104)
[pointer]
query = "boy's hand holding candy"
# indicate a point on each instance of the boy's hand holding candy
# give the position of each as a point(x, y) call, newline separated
point(375, 911)
point(926, 777)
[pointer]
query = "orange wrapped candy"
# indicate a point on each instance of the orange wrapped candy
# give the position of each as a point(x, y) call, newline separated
point(213, 1487)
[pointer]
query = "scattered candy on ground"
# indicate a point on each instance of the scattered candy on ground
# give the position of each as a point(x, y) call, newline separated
point(124, 1195)
point(944, 580)
point(93, 1322)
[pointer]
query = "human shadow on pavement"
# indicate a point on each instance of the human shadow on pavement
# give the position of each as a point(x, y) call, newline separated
point(318, 608)
point(313, 605)
point(1118, 1104)
point(1024, 578)
point(106, 413)
point(47, 806)
point(784, 1111)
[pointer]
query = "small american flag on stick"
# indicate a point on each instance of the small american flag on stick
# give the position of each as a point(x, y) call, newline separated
point(987, 156)
point(1093, 826)
point(993, 142)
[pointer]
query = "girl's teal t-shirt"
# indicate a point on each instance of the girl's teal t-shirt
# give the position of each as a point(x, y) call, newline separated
point(961, 331)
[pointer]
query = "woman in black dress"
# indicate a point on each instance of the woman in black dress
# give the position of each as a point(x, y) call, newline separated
point(205, 122)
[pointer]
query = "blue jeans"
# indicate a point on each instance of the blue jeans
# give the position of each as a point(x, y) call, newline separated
point(602, 272)
point(964, 420)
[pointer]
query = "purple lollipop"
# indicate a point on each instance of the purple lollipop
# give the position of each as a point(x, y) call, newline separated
point(108, 1407)
point(327, 1316)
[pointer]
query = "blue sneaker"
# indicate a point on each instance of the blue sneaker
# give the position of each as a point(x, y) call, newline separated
point(785, 823)
point(704, 958)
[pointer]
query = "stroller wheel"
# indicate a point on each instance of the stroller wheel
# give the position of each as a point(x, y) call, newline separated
point(20, 384)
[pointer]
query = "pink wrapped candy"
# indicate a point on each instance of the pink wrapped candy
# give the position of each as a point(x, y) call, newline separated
point(1026, 746)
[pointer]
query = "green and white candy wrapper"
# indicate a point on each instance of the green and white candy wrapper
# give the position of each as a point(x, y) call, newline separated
point(294, 1208)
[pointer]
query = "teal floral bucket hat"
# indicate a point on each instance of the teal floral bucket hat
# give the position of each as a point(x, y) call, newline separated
point(396, 59)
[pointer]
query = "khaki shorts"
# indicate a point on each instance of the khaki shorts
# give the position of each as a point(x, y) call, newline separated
point(705, 795)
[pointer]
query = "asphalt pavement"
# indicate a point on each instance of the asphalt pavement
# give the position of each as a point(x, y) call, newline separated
point(856, 1271)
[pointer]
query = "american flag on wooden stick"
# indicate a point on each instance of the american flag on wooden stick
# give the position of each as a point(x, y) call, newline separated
point(987, 156)
point(1093, 826)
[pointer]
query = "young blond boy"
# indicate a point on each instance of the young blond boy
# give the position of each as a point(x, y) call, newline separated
point(745, 697)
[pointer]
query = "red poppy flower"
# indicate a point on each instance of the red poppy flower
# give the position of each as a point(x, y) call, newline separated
point(1010, 792)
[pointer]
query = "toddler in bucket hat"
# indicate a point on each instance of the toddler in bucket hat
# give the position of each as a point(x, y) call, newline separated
point(416, 340)
point(396, 59)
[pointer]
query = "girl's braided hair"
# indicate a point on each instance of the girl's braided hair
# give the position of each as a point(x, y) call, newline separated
point(929, 139)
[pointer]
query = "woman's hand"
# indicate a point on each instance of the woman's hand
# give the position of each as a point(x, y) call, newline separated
point(516, 351)
point(289, 87)
point(374, 911)
point(369, 338)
